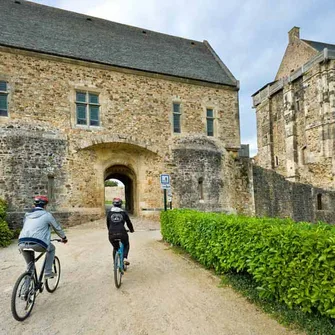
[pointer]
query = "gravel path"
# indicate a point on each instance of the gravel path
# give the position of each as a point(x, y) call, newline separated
point(161, 293)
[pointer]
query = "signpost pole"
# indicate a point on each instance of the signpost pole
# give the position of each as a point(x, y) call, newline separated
point(164, 199)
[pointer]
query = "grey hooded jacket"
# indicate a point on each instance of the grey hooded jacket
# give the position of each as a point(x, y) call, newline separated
point(37, 227)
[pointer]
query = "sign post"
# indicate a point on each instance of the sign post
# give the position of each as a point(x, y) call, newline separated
point(165, 185)
point(165, 205)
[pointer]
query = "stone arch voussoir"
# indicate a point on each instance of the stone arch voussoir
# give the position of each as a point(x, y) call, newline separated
point(105, 139)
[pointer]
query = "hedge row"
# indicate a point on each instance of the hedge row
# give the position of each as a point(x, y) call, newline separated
point(291, 262)
point(5, 232)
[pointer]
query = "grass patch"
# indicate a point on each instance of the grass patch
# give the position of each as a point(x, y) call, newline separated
point(311, 324)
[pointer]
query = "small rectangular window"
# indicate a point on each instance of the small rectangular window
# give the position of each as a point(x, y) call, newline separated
point(81, 97)
point(319, 201)
point(88, 109)
point(176, 118)
point(94, 116)
point(51, 188)
point(3, 99)
point(297, 102)
point(201, 189)
point(210, 122)
point(94, 99)
point(81, 114)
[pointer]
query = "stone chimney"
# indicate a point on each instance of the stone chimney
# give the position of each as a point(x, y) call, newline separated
point(294, 32)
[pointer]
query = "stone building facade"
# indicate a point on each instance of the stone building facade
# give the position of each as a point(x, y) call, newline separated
point(296, 114)
point(83, 100)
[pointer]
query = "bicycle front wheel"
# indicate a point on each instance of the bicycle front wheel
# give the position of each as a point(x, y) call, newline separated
point(23, 296)
point(117, 270)
point(52, 283)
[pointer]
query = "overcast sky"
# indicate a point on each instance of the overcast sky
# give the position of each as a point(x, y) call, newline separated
point(250, 36)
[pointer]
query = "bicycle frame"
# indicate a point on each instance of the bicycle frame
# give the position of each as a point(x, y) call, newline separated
point(120, 252)
point(39, 279)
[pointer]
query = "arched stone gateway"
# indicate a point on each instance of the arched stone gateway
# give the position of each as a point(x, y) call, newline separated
point(135, 166)
point(127, 176)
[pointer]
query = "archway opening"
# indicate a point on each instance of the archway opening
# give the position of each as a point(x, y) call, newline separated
point(126, 180)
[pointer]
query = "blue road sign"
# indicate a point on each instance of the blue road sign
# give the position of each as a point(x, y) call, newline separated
point(165, 179)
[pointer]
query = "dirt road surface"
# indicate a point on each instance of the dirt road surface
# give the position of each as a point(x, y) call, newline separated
point(161, 293)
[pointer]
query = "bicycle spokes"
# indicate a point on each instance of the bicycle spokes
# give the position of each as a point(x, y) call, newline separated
point(23, 297)
point(52, 283)
point(118, 271)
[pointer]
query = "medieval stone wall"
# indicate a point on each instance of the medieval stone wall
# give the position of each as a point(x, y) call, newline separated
point(277, 197)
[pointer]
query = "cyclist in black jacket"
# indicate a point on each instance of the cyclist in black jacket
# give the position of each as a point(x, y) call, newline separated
point(116, 218)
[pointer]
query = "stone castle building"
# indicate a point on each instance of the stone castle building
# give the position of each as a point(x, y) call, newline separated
point(296, 114)
point(83, 100)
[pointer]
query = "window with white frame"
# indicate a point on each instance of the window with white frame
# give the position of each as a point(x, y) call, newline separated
point(3, 98)
point(210, 122)
point(176, 118)
point(87, 109)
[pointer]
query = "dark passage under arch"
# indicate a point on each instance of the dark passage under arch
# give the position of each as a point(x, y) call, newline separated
point(127, 177)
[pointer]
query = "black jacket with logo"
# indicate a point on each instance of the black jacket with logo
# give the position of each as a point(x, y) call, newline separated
point(116, 218)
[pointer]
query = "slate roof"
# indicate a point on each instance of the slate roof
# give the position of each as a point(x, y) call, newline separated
point(49, 30)
point(319, 46)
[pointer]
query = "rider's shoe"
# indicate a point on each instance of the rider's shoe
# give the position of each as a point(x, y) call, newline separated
point(126, 262)
point(50, 275)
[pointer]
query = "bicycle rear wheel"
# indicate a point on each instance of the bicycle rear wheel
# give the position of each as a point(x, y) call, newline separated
point(117, 270)
point(23, 297)
point(52, 283)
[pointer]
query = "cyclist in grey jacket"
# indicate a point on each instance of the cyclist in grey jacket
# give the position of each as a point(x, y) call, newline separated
point(36, 234)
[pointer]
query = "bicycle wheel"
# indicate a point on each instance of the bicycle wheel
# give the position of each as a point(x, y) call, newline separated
point(52, 283)
point(23, 297)
point(117, 270)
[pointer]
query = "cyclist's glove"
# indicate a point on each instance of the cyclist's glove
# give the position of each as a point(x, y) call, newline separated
point(64, 240)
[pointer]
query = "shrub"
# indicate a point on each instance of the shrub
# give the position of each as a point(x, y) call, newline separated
point(291, 262)
point(3, 209)
point(5, 233)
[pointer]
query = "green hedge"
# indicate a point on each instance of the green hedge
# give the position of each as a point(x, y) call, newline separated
point(291, 262)
point(5, 233)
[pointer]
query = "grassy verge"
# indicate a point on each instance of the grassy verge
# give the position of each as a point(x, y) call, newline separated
point(311, 324)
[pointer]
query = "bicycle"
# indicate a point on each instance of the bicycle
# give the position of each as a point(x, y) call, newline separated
point(29, 285)
point(119, 266)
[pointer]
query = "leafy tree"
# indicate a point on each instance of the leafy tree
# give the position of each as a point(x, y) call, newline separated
point(111, 183)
